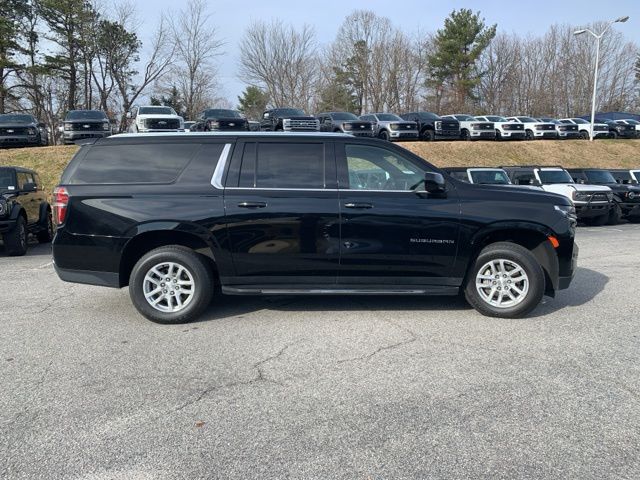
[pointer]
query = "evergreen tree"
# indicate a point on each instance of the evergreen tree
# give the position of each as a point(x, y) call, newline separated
point(12, 14)
point(253, 102)
point(172, 100)
point(452, 67)
point(338, 94)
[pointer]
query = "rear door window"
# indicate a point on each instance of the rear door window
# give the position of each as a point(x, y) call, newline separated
point(283, 165)
point(133, 164)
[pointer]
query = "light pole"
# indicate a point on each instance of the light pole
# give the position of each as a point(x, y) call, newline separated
point(595, 77)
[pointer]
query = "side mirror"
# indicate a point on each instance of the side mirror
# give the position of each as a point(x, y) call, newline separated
point(536, 182)
point(128, 115)
point(581, 181)
point(434, 183)
point(29, 187)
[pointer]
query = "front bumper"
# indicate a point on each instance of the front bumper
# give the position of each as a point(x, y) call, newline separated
point(357, 133)
point(72, 136)
point(630, 209)
point(545, 134)
point(519, 134)
point(601, 135)
point(11, 140)
point(586, 210)
point(159, 130)
point(567, 135)
point(447, 134)
point(482, 134)
point(397, 135)
point(6, 225)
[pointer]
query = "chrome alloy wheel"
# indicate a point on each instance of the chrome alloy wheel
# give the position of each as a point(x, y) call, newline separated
point(168, 287)
point(502, 283)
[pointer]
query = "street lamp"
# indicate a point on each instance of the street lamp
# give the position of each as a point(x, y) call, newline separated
point(595, 77)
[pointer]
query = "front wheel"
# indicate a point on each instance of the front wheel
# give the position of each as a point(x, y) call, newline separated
point(428, 136)
point(171, 284)
point(528, 135)
point(615, 214)
point(584, 135)
point(465, 135)
point(384, 135)
point(505, 281)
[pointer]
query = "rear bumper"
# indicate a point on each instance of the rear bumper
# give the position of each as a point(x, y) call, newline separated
point(87, 277)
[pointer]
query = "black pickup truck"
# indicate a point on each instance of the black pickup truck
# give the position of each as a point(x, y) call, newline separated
point(625, 196)
point(288, 120)
point(22, 130)
point(300, 214)
point(23, 210)
point(82, 124)
point(220, 119)
point(433, 127)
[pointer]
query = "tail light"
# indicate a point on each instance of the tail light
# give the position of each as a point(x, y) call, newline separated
point(60, 202)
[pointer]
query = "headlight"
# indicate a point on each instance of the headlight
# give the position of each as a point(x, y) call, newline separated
point(214, 124)
point(68, 127)
point(106, 126)
point(610, 196)
point(394, 126)
point(631, 195)
point(438, 125)
point(568, 211)
point(347, 126)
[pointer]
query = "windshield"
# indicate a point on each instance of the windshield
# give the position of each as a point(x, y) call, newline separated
point(527, 120)
point(490, 177)
point(388, 117)
point(599, 176)
point(463, 118)
point(7, 179)
point(295, 112)
point(496, 118)
point(222, 113)
point(548, 177)
point(86, 115)
point(16, 119)
point(579, 121)
point(156, 111)
point(343, 116)
point(630, 122)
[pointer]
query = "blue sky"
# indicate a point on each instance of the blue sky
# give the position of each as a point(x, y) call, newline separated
point(232, 17)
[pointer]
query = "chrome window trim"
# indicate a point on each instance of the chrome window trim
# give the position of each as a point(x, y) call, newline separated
point(216, 179)
point(318, 189)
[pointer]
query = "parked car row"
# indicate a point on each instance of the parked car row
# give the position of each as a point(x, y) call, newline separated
point(600, 196)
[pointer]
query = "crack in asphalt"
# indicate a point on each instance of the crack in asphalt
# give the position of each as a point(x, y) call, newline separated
point(411, 338)
point(53, 302)
point(259, 377)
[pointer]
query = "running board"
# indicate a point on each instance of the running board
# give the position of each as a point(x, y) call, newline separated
point(431, 290)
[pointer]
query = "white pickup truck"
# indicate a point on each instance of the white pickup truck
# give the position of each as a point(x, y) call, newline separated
point(145, 119)
point(472, 129)
point(535, 129)
point(600, 130)
point(505, 130)
point(593, 202)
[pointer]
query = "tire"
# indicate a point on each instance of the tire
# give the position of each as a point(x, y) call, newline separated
point(528, 135)
point(428, 136)
point(465, 135)
point(498, 135)
point(46, 234)
point(500, 259)
point(584, 135)
point(15, 240)
point(384, 135)
point(613, 135)
point(615, 214)
point(168, 261)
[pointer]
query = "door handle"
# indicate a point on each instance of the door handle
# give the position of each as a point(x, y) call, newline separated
point(358, 205)
point(252, 204)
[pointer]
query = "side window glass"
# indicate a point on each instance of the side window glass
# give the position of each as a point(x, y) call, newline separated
point(374, 168)
point(287, 165)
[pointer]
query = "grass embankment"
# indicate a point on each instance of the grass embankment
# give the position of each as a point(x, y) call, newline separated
point(50, 161)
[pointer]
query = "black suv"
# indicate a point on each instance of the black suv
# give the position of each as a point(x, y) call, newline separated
point(323, 213)
point(433, 127)
point(23, 209)
point(220, 119)
point(625, 196)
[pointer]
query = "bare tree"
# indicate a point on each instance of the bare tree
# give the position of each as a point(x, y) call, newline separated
point(194, 71)
point(282, 61)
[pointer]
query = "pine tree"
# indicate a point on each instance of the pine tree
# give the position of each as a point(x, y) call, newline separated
point(12, 14)
point(253, 102)
point(172, 100)
point(338, 94)
point(453, 65)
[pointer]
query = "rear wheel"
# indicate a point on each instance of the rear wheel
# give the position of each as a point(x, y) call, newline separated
point(15, 240)
point(171, 284)
point(505, 281)
point(46, 234)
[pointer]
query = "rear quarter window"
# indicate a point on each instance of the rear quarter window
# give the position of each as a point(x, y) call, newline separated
point(132, 164)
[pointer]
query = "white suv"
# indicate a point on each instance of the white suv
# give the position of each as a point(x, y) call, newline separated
point(600, 130)
point(593, 202)
point(505, 130)
point(535, 129)
point(154, 119)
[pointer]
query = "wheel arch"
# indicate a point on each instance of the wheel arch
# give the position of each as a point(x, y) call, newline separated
point(534, 237)
point(152, 238)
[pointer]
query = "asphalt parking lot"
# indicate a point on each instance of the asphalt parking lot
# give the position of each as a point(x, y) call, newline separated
point(338, 387)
